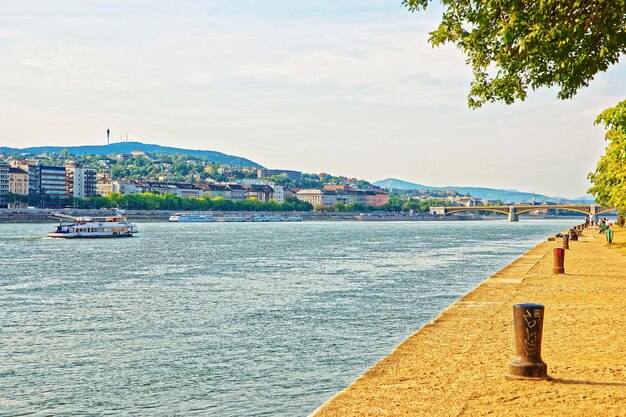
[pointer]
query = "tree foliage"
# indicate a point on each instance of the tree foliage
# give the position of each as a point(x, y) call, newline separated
point(155, 201)
point(609, 179)
point(514, 45)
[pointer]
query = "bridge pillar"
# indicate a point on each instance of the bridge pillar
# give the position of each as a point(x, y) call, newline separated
point(438, 211)
point(595, 217)
point(513, 216)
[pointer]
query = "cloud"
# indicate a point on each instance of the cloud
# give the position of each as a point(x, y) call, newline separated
point(381, 55)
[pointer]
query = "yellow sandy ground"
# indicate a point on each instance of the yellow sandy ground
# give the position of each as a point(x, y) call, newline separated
point(455, 365)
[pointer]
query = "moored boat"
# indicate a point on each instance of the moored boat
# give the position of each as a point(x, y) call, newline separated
point(294, 218)
point(192, 217)
point(94, 227)
point(260, 218)
point(233, 219)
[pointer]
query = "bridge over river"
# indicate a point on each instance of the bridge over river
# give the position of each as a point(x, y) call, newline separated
point(513, 211)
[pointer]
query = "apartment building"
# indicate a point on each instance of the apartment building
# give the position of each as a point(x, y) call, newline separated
point(261, 192)
point(214, 190)
point(80, 181)
point(279, 193)
point(4, 184)
point(236, 192)
point(282, 193)
point(34, 172)
point(187, 190)
point(325, 198)
point(292, 175)
point(350, 197)
point(52, 186)
point(125, 187)
point(376, 198)
point(345, 195)
point(104, 185)
point(18, 181)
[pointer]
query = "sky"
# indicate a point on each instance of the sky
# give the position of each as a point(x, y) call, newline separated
point(348, 87)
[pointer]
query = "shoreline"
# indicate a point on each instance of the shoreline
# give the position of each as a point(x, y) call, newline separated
point(44, 216)
point(464, 352)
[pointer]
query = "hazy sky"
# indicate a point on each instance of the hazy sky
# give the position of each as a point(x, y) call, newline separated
point(349, 87)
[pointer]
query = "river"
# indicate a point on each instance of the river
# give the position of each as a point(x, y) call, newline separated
point(226, 319)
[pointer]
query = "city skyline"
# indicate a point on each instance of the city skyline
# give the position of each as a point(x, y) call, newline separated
point(352, 89)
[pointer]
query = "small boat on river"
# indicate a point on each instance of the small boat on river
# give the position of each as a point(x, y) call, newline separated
point(94, 227)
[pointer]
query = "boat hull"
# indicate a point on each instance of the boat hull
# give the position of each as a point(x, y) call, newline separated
point(73, 236)
point(192, 220)
point(94, 228)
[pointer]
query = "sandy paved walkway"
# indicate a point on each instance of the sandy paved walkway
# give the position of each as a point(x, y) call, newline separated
point(455, 365)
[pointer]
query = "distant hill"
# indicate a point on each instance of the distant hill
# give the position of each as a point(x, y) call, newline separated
point(588, 199)
point(479, 192)
point(128, 147)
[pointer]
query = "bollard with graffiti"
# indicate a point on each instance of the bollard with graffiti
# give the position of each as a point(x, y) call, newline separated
point(527, 362)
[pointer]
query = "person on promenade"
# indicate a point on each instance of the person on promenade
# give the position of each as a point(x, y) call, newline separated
point(602, 226)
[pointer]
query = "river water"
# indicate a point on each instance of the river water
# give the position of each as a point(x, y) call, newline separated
point(226, 319)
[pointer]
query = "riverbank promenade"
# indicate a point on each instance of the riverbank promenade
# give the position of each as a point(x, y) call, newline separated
point(455, 365)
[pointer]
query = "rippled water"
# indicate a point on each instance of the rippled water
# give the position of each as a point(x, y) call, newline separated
point(226, 319)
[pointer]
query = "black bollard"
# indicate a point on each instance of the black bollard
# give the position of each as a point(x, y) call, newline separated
point(527, 362)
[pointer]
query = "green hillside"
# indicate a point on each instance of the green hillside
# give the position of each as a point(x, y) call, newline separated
point(128, 147)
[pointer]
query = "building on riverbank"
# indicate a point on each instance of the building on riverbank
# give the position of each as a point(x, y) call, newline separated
point(125, 187)
point(187, 190)
point(324, 198)
point(292, 175)
point(214, 190)
point(331, 195)
point(52, 190)
point(80, 181)
point(32, 166)
point(236, 192)
point(184, 190)
point(376, 198)
point(261, 192)
point(4, 184)
point(18, 181)
point(104, 185)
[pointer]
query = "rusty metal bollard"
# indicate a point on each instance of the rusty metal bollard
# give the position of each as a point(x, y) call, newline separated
point(573, 235)
point(559, 261)
point(565, 241)
point(528, 324)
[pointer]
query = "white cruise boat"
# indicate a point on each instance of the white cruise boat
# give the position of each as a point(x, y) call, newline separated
point(94, 227)
point(294, 219)
point(192, 217)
